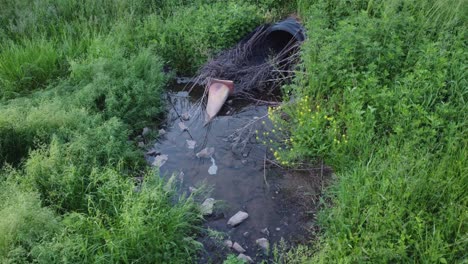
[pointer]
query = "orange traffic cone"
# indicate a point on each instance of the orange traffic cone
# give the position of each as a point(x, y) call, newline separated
point(218, 92)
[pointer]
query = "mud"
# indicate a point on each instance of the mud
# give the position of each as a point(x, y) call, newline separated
point(281, 201)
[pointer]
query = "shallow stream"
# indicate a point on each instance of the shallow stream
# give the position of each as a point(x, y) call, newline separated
point(279, 202)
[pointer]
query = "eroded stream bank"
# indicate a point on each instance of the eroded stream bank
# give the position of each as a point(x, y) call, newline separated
point(280, 203)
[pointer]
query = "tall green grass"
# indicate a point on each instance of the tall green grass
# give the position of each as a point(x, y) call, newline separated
point(382, 99)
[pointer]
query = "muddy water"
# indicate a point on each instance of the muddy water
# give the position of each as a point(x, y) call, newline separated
point(239, 176)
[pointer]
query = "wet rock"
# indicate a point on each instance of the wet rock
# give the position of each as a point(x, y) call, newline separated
point(265, 231)
point(191, 143)
point(245, 155)
point(182, 126)
point(263, 244)
point(245, 258)
point(238, 218)
point(205, 153)
point(160, 160)
point(246, 234)
point(228, 243)
point(152, 152)
point(185, 116)
point(207, 206)
point(184, 80)
point(161, 132)
point(146, 131)
point(238, 248)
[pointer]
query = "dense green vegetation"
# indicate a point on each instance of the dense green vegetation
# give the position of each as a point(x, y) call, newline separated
point(383, 100)
point(380, 96)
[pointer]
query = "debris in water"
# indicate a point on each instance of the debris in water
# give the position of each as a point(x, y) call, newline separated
point(205, 153)
point(183, 127)
point(160, 160)
point(207, 206)
point(238, 218)
point(213, 169)
point(191, 144)
point(238, 248)
point(245, 258)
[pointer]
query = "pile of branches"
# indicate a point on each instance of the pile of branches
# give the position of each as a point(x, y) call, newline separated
point(255, 64)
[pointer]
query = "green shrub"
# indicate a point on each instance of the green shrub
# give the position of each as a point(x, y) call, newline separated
point(128, 88)
point(62, 172)
point(25, 124)
point(24, 223)
point(122, 225)
point(194, 33)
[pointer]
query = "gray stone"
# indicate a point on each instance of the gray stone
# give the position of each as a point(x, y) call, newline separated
point(141, 144)
point(146, 131)
point(207, 206)
point(205, 153)
point(238, 248)
point(160, 160)
point(263, 243)
point(245, 258)
point(246, 234)
point(161, 132)
point(238, 218)
point(228, 243)
point(152, 152)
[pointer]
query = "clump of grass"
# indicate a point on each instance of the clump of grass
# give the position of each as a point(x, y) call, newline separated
point(26, 66)
point(24, 222)
point(380, 101)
